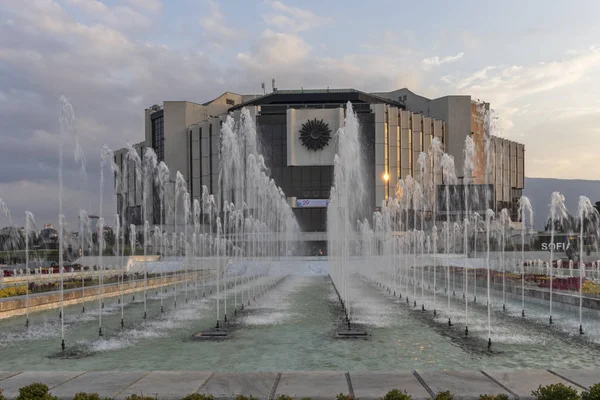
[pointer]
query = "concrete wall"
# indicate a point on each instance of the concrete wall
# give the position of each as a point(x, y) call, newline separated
point(477, 128)
point(456, 112)
point(380, 111)
point(297, 153)
point(13, 307)
point(178, 116)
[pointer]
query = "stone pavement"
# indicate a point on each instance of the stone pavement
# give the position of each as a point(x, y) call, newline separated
point(174, 385)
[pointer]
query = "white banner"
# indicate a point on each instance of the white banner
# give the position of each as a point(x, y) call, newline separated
point(304, 203)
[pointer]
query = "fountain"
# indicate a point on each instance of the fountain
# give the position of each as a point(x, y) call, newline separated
point(524, 206)
point(238, 242)
point(558, 213)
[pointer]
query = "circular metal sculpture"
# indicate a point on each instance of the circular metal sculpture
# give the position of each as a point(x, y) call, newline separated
point(315, 134)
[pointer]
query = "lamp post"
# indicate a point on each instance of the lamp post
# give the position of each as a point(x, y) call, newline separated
point(386, 179)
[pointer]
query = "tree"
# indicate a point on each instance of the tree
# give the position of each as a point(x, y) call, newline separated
point(565, 225)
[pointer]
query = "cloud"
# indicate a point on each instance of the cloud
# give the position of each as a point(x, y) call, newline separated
point(291, 61)
point(503, 84)
point(276, 49)
point(25, 195)
point(429, 63)
point(148, 5)
point(110, 78)
point(292, 18)
point(118, 16)
point(216, 27)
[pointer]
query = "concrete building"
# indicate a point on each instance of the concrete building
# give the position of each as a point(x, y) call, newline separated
point(295, 134)
point(464, 116)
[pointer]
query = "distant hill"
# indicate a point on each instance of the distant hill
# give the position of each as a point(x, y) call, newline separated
point(539, 191)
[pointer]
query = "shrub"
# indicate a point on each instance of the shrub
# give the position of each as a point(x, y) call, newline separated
point(198, 396)
point(494, 397)
point(11, 291)
point(343, 396)
point(396, 394)
point(2, 396)
point(86, 396)
point(557, 391)
point(592, 394)
point(35, 391)
point(284, 397)
point(444, 396)
point(242, 397)
point(140, 397)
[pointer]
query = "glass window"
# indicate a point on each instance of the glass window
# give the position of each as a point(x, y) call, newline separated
point(158, 138)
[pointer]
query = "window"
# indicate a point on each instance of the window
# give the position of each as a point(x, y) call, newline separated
point(158, 137)
point(191, 180)
point(399, 152)
point(386, 156)
point(230, 102)
point(410, 150)
point(200, 173)
point(210, 158)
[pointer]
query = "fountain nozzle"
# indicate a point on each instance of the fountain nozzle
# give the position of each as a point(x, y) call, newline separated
point(503, 307)
point(422, 307)
point(581, 329)
point(60, 315)
point(435, 313)
point(551, 320)
point(489, 343)
point(449, 322)
point(225, 319)
point(415, 304)
point(83, 309)
point(62, 345)
point(466, 331)
point(122, 323)
point(145, 315)
point(100, 332)
point(217, 326)
point(523, 313)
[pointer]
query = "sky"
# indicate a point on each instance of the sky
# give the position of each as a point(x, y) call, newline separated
point(536, 63)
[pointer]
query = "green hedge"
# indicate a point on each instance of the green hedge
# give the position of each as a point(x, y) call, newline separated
point(558, 391)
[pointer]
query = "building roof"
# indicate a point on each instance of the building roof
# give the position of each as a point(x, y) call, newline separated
point(423, 98)
point(218, 97)
point(317, 96)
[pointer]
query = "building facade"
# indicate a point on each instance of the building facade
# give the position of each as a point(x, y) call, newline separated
point(296, 135)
